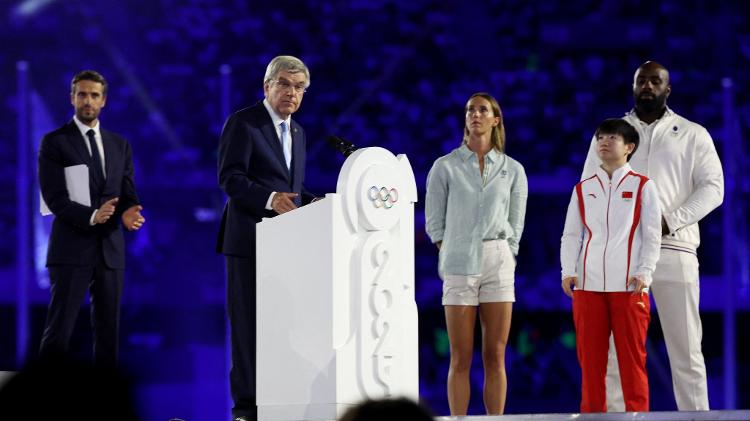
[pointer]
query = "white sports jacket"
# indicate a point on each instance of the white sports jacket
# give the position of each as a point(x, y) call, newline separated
point(681, 159)
point(612, 231)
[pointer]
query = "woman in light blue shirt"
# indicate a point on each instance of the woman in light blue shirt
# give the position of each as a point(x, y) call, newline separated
point(475, 207)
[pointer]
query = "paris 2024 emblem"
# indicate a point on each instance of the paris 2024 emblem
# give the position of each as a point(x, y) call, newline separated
point(383, 197)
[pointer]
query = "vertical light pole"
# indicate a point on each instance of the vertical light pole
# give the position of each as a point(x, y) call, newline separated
point(731, 176)
point(23, 214)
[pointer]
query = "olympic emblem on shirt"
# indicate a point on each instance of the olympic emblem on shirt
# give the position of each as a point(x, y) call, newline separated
point(383, 197)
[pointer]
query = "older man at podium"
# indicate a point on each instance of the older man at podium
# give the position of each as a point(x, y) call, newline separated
point(261, 169)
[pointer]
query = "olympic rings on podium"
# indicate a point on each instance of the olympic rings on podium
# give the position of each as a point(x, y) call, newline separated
point(383, 197)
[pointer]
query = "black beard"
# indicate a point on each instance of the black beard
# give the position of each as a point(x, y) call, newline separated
point(651, 105)
point(85, 119)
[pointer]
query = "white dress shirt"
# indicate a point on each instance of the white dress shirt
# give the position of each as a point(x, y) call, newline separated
point(98, 139)
point(277, 126)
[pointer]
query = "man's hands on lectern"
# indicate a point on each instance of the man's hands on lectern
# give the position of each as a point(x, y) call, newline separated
point(283, 202)
point(132, 218)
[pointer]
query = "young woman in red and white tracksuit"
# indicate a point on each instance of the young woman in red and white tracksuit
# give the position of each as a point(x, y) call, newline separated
point(609, 250)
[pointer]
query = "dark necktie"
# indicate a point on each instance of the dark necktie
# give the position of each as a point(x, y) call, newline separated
point(96, 159)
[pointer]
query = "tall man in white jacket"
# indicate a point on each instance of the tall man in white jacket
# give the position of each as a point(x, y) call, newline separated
point(680, 157)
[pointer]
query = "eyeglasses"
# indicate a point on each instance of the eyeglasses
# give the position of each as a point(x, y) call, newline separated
point(285, 85)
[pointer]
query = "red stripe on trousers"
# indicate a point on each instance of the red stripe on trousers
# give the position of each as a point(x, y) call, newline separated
point(626, 316)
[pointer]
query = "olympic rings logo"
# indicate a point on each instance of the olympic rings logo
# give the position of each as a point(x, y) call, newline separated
point(383, 197)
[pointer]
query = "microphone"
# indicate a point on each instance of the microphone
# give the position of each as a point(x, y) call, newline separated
point(342, 145)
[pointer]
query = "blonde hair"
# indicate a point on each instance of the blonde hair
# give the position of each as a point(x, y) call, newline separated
point(497, 137)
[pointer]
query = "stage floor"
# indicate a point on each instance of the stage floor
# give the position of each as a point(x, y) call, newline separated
point(743, 415)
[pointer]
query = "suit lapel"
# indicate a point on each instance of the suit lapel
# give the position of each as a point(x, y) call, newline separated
point(96, 181)
point(78, 142)
point(109, 158)
point(298, 154)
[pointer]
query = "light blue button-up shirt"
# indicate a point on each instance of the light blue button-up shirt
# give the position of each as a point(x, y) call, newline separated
point(464, 207)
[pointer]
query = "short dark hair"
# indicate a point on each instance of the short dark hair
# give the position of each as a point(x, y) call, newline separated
point(91, 75)
point(622, 128)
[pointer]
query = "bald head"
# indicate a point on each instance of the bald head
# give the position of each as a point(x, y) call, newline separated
point(653, 66)
point(651, 89)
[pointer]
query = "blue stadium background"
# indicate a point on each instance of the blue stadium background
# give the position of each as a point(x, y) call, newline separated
point(384, 73)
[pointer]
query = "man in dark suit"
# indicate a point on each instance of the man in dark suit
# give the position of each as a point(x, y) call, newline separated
point(261, 169)
point(86, 246)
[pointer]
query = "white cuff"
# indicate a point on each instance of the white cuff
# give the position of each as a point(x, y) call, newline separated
point(268, 202)
point(671, 224)
point(645, 278)
point(93, 216)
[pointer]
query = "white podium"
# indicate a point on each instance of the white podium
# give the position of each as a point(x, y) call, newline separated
point(336, 315)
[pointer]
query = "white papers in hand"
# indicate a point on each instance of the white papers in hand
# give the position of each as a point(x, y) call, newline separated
point(77, 182)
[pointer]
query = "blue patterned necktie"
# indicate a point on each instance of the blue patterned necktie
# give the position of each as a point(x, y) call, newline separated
point(286, 144)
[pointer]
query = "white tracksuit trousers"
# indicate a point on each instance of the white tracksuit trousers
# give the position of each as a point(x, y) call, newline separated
point(676, 291)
